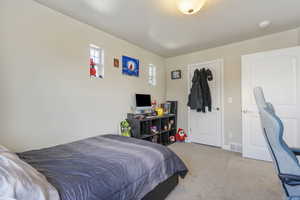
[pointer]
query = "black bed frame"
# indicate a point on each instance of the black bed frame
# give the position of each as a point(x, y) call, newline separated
point(161, 191)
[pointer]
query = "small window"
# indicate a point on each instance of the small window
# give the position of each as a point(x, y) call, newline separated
point(96, 62)
point(152, 75)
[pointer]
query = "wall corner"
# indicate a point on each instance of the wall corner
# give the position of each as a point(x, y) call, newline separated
point(298, 29)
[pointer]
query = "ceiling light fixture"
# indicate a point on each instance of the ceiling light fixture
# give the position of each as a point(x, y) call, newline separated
point(264, 24)
point(190, 7)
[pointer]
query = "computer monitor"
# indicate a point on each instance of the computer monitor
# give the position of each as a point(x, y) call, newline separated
point(142, 101)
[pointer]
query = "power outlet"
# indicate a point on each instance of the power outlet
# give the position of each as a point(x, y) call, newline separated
point(230, 100)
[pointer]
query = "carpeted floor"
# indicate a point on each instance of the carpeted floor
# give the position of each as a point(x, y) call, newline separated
point(216, 174)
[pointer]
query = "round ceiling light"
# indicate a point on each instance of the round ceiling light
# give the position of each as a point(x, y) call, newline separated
point(190, 7)
point(264, 24)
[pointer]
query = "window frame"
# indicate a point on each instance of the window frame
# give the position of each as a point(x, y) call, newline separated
point(97, 59)
point(152, 74)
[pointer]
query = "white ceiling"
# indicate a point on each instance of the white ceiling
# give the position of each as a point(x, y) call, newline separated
point(158, 26)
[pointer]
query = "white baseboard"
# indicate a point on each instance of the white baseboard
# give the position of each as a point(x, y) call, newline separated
point(234, 147)
point(226, 147)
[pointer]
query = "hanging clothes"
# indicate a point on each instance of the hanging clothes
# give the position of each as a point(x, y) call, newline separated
point(195, 101)
point(200, 96)
point(205, 75)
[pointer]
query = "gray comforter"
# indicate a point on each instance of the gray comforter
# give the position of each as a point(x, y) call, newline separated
point(106, 167)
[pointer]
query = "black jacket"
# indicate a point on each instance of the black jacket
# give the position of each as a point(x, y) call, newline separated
point(195, 98)
point(200, 96)
point(205, 75)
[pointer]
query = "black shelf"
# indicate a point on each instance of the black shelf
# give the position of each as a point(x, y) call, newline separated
point(148, 135)
point(141, 128)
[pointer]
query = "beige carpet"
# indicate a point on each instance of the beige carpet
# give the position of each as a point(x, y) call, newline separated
point(216, 174)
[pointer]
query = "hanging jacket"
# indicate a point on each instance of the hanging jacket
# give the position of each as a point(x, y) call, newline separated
point(205, 75)
point(195, 101)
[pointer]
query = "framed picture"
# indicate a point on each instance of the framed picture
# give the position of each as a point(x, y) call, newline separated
point(176, 74)
point(130, 66)
point(116, 63)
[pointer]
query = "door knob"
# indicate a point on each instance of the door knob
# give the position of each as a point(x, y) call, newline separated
point(217, 108)
point(245, 111)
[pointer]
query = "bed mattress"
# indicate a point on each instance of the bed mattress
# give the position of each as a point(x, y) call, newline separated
point(108, 167)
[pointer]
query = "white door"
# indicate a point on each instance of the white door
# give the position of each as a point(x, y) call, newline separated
point(206, 128)
point(278, 73)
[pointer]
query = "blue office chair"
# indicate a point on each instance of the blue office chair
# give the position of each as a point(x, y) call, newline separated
point(284, 157)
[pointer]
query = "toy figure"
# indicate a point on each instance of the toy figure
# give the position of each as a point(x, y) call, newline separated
point(166, 127)
point(93, 70)
point(153, 130)
point(171, 123)
point(125, 128)
point(172, 138)
point(180, 135)
point(160, 111)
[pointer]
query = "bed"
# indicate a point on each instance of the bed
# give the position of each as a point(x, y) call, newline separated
point(108, 167)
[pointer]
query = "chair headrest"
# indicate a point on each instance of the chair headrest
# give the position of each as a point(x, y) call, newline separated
point(260, 98)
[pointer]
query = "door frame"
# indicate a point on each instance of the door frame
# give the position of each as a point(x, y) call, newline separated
point(189, 78)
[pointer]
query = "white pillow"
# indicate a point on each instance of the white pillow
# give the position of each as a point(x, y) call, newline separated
point(20, 181)
point(3, 148)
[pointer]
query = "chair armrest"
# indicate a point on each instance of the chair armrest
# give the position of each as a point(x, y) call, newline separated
point(290, 179)
point(296, 151)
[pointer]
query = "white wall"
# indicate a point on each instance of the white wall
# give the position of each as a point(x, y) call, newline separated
point(178, 89)
point(47, 97)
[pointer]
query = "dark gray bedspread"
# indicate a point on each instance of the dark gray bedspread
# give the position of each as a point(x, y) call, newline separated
point(108, 167)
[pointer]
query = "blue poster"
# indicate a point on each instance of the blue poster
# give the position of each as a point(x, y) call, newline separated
point(130, 66)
